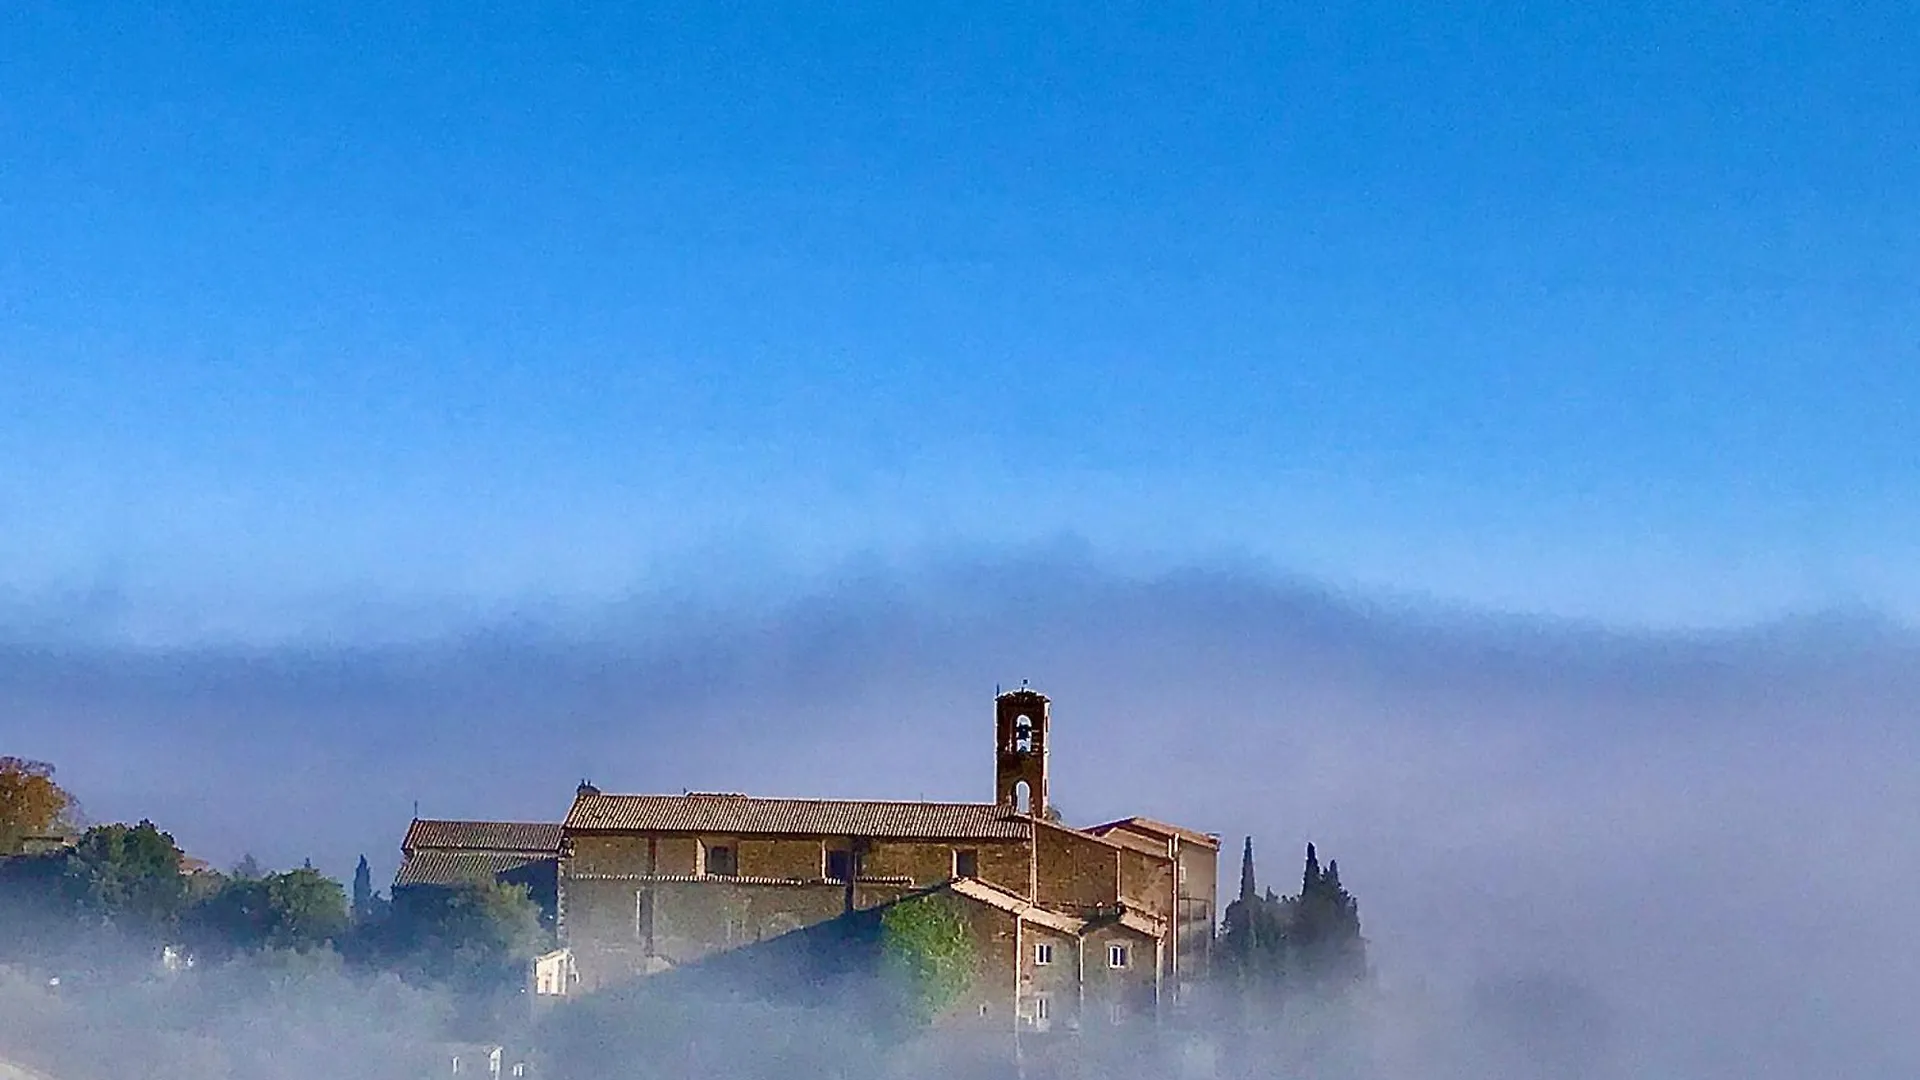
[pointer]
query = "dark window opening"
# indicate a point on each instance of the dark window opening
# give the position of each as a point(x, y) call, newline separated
point(840, 865)
point(966, 863)
point(722, 861)
point(1023, 735)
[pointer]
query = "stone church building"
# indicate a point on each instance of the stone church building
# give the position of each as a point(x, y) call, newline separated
point(1069, 924)
point(1120, 913)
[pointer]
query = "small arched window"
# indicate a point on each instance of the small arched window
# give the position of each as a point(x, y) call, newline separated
point(1023, 798)
point(1023, 735)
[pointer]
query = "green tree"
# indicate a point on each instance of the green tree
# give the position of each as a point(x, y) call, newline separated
point(474, 936)
point(300, 909)
point(1309, 942)
point(1324, 946)
point(1254, 938)
point(31, 803)
point(362, 891)
point(926, 949)
point(129, 876)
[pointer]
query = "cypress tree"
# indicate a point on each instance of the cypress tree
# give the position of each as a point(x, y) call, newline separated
point(1324, 945)
point(362, 891)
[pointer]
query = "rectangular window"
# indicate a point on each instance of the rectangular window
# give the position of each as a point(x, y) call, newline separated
point(966, 863)
point(1041, 1007)
point(1043, 954)
point(840, 865)
point(639, 916)
point(1117, 1013)
point(721, 861)
point(1117, 956)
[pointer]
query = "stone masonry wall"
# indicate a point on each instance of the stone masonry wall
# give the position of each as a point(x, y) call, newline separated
point(1073, 870)
point(623, 923)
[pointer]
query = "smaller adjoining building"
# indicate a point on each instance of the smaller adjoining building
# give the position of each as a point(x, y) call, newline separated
point(1196, 866)
point(1041, 967)
point(448, 853)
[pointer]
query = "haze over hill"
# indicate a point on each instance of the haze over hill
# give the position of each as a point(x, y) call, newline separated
point(1647, 818)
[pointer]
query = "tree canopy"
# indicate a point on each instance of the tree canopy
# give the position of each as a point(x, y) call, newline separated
point(474, 936)
point(362, 891)
point(128, 875)
point(1307, 942)
point(299, 909)
point(31, 803)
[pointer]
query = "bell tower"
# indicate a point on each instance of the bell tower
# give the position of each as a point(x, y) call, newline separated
point(1020, 750)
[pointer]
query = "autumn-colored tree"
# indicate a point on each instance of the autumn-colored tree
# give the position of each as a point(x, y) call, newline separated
point(31, 804)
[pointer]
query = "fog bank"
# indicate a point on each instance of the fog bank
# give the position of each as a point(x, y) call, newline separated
point(1706, 839)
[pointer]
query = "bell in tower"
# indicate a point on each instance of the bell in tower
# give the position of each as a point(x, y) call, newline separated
point(1020, 736)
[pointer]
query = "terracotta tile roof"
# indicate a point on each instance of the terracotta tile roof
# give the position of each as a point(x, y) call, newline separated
point(431, 867)
point(1140, 922)
point(1016, 905)
point(1130, 843)
point(516, 836)
point(1158, 828)
point(809, 817)
point(1146, 845)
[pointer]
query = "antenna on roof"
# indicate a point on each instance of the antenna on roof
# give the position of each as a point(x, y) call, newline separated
point(416, 809)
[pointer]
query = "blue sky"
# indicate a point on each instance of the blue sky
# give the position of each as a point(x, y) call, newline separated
point(1593, 310)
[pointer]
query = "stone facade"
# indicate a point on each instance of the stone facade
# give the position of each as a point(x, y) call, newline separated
point(1068, 923)
point(1196, 858)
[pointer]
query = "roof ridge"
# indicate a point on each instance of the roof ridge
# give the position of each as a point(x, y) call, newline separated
point(474, 835)
point(1099, 839)
point(480, 821)
point(831, 817)
point(1141, 821)
point(1017, 905)
point(737, 797)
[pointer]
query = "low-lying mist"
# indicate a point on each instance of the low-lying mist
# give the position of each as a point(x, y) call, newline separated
point(1576, 851)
